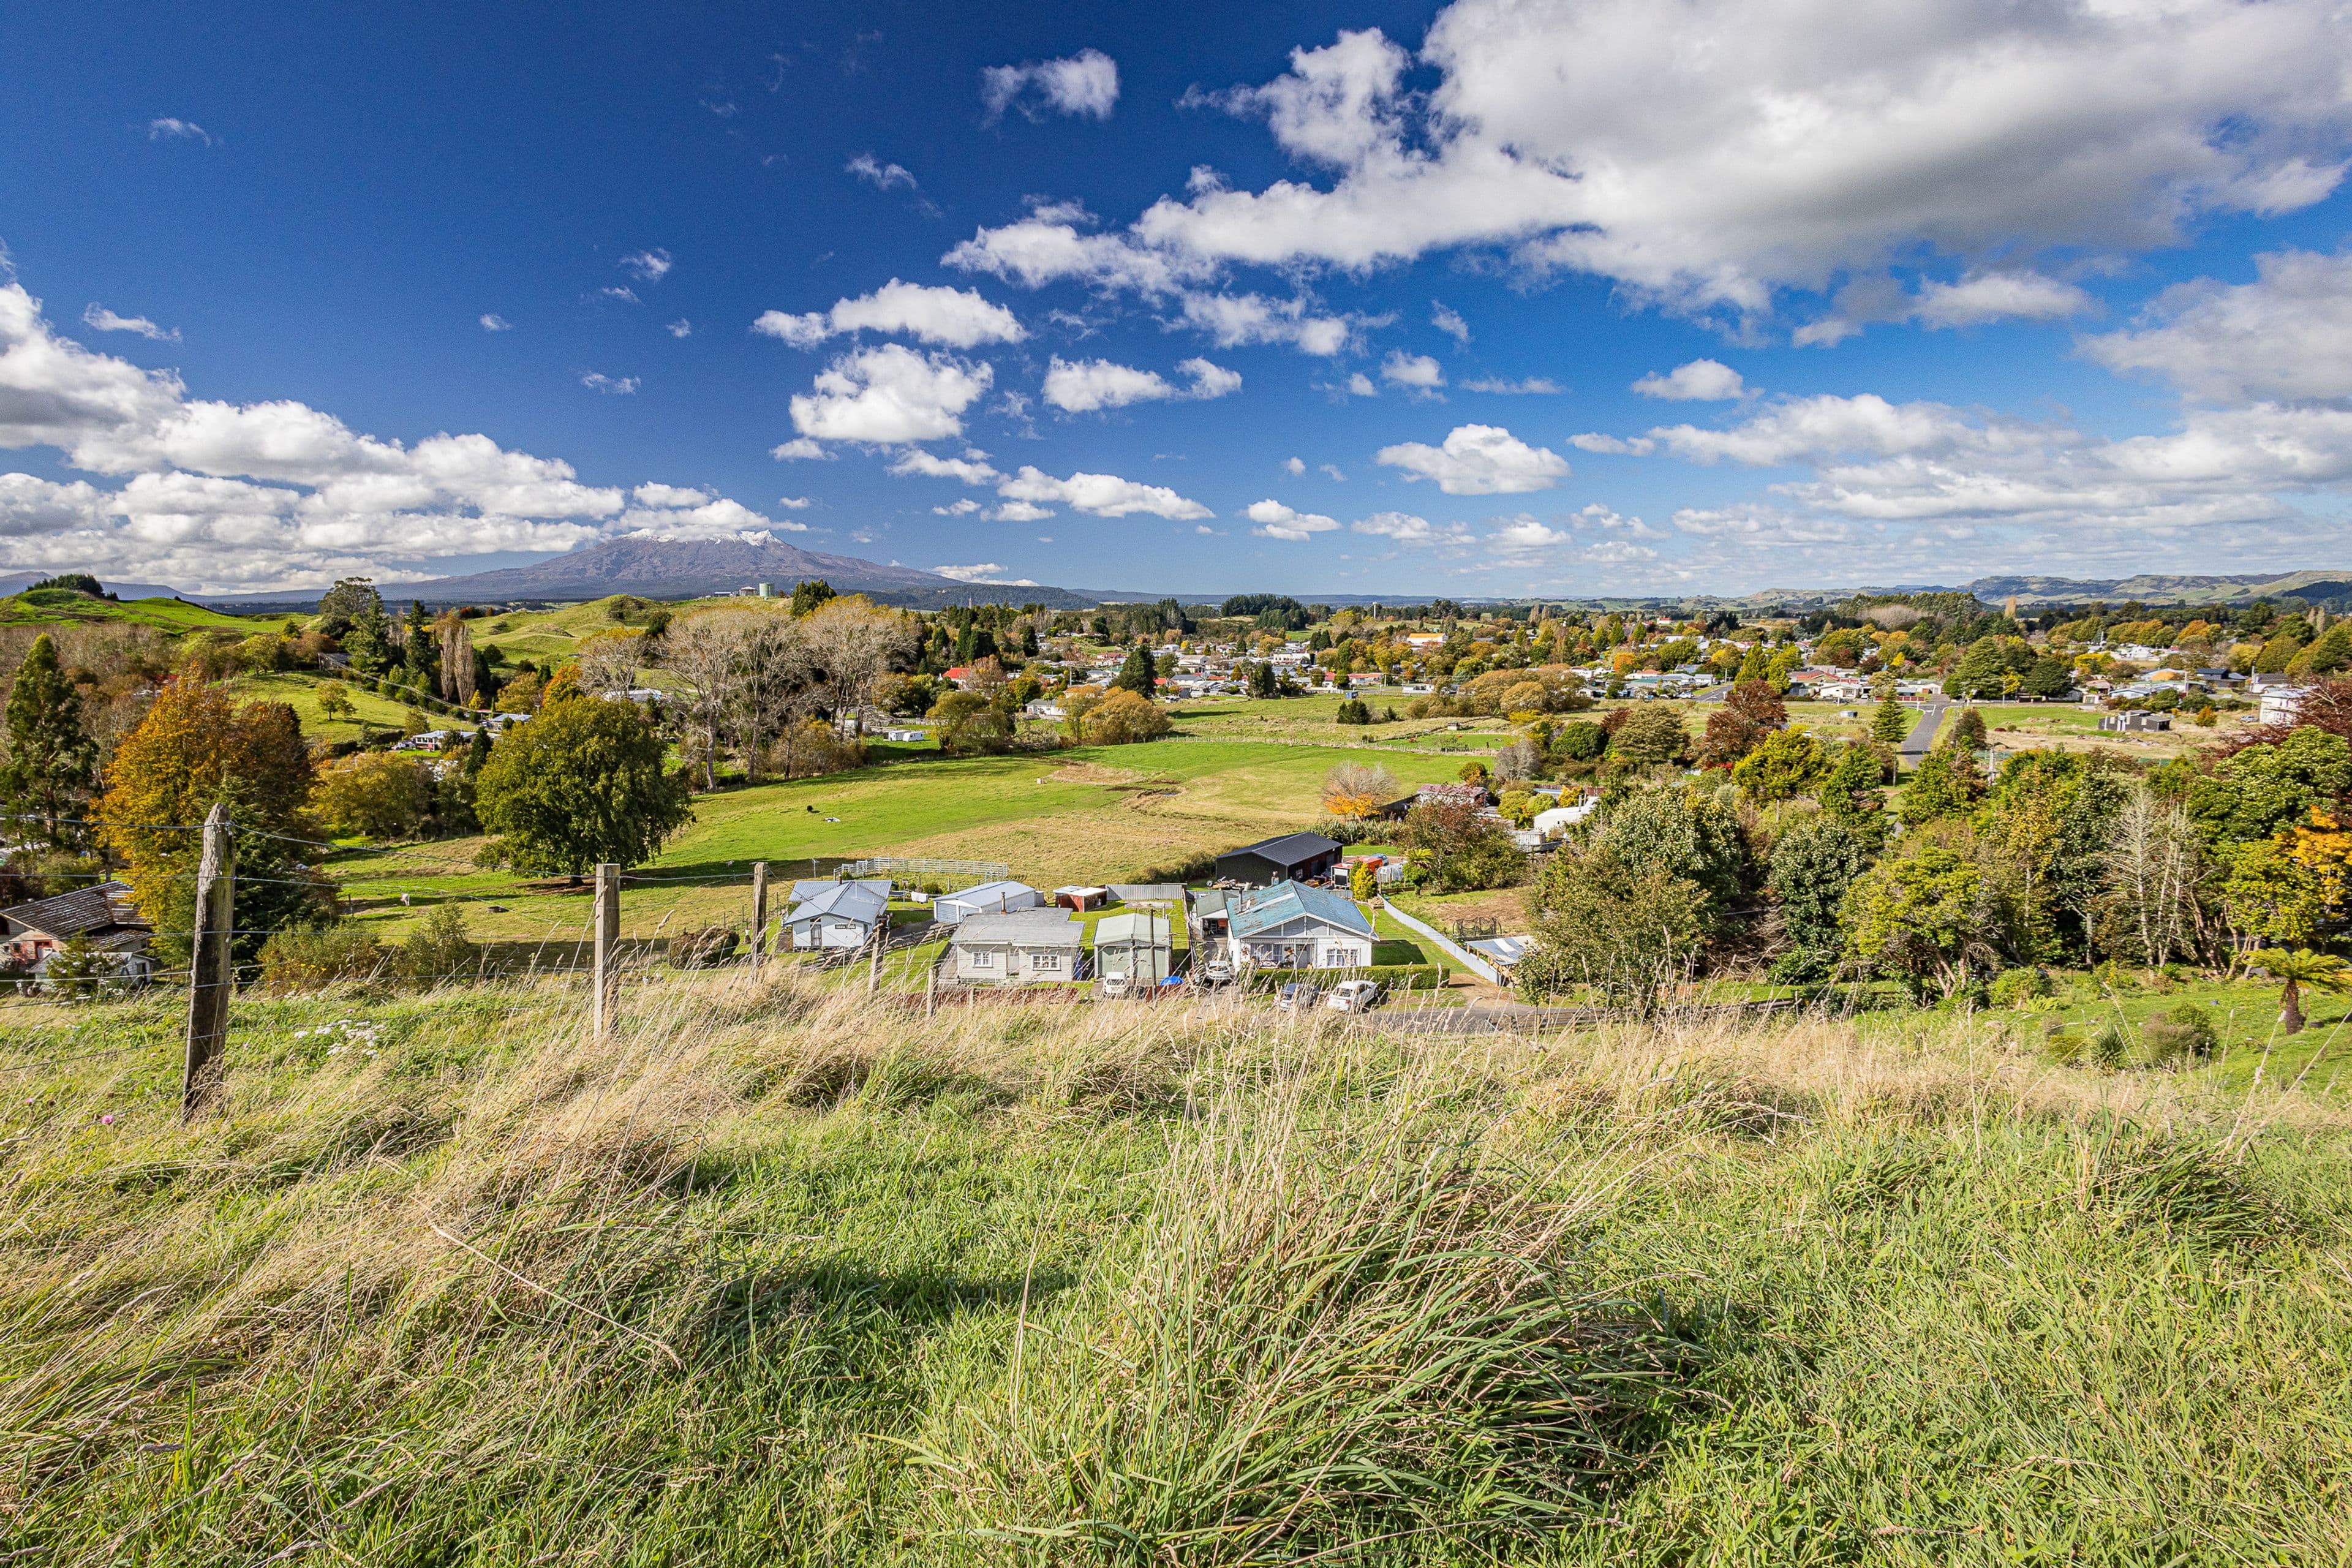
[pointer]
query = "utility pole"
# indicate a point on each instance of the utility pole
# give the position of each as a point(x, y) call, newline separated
point(758, 915)
point(606, 920)
point(211, 979)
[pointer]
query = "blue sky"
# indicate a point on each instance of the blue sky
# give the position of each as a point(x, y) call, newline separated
point(1496, 298)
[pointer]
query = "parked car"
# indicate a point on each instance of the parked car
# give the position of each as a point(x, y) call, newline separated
point(1214, 973)
point(1297, 997)
point(1112, 985)
point(1355, 996)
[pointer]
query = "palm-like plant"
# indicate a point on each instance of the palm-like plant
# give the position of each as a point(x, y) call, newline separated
point(2294, 970)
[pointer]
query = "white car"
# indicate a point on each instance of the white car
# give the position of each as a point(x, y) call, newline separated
point(1354, 996)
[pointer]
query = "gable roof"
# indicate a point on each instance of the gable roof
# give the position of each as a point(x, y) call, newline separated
point(72, 914)
point(1271, 907)
point(1144, 926)
point(989, 892)
point(843, 900)
point(813, 887)
point(1019, 928)
point(1288, 848)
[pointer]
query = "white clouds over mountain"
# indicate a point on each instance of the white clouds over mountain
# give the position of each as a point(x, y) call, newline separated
point(2288, 336)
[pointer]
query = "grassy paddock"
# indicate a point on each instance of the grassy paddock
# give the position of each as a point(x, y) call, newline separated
point(780, 1278)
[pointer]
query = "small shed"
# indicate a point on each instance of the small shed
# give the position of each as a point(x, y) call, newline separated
point(1286, 857)
point(1139, 945)
point(844, 915)
point(1081, 898)
point(988, 898)
point(1025, 947)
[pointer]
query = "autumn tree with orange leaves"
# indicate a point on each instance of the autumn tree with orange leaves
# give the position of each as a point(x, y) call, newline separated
point(196, 749)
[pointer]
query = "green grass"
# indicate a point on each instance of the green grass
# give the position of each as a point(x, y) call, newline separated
point(177, 617)
point(298, 690)
point(778, 1278)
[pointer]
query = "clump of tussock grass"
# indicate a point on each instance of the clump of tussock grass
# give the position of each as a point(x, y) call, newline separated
point(1323, 1343)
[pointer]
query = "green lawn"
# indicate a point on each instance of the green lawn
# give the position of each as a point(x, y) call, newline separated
point(172, 616)
point(300, 691)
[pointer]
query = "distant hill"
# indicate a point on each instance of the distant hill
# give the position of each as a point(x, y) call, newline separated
point(2149, 588)
point(17, 582)
point(694, 568)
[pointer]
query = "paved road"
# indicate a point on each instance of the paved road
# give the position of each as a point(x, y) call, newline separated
point(1922, 738)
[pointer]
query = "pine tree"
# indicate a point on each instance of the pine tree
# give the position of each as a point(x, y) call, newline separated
point(1890, 722)
point(52, 766)
point(1136, 674)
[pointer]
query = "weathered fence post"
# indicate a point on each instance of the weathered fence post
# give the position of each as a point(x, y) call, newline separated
point(881, 940)
point(758, 914)
point(211, 979)
point(607, 922)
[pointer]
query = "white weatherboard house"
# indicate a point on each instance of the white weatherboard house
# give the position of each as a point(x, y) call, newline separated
point(988, 899)
point(1027, 947)
point(844, 915)
point(1291, 926)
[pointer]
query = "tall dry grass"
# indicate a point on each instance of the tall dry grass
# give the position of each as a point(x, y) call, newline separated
point(783, 1275)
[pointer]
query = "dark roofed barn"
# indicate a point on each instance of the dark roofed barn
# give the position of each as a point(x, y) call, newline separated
point(1291, 858)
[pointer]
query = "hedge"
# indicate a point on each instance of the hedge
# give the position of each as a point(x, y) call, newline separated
point(1395, 976)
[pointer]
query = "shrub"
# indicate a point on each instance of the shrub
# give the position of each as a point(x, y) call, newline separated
point(2015, 987)
point(1354, 710)
point(707, 948)
point(439, 949)
point(308, 959)
point(2182, 1032)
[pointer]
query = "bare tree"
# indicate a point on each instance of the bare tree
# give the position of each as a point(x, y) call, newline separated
point(609, 662)
point(774, 686)
point(705, 651)
point(2151, 873)
point(851, 645)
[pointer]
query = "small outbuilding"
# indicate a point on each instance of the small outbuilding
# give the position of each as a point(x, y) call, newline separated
point(1081, 898)
point(1139, 945)
point(1027, 947)
point(842, 915)
point(988, 898)
point(1288, 858)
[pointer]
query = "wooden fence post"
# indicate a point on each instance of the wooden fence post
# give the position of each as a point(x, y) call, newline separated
point(211, 980)
point(606, 920)
point(881, 940)
point(758, 914)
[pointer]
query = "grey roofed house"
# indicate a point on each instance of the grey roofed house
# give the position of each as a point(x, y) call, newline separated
point(1169, 893)
point(1139, 945)
point(808, 888)
point(103, 914)
point(1286, 857)
point(987, 897)
point(1031, 944)
point(841, 914)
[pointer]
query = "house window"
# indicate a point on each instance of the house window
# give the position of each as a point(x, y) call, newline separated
point(1045, 963)
point(1337, 958)
point(980, 958)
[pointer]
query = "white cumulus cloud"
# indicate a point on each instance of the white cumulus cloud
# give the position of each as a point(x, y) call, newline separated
point(1418, 372)
point(1478, 461)
point(1702, 381)
point(647, 266)
point(1086, 385)
point(1086, 83)
point(972, 471)
point(1276, 520)
point(890, 396)
point(613, 385)
point(2287, 335)
point(953, 318)
point(1101, 495)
